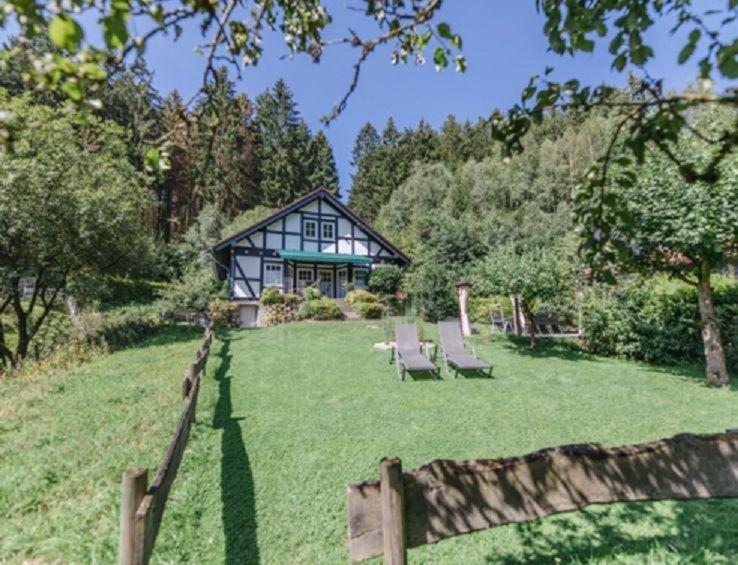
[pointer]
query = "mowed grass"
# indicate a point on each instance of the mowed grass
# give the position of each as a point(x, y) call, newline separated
point(66, 439)
point(290, 415)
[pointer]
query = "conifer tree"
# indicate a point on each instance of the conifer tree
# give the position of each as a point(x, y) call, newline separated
point(323, 172)
point(223, 149)
point(367, 141)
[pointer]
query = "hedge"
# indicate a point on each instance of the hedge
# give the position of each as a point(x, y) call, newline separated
point(657, 321)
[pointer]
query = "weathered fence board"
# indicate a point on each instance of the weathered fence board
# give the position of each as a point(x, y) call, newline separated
point(447, 498)
point(140, 528)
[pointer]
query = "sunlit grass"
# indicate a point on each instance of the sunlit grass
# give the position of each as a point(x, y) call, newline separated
point(66, 438)
point(292, 414)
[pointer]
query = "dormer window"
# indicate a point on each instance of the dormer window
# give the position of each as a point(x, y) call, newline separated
point(310, 229)
point(328, 231)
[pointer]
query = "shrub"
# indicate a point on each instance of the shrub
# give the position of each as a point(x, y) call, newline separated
point(385, 279)
point(369, 310)
point(360, 295)
point(320, 309)
point(125, 328)
point(270, 295)
point(656, 321)
point(432, 291)
point(194, 291)
point(311, 293)
point(105, 291)
point(224, 312)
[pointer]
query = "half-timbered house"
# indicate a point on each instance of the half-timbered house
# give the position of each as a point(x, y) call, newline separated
point(315, 239)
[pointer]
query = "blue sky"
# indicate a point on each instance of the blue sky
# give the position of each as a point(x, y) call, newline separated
point(503, 43)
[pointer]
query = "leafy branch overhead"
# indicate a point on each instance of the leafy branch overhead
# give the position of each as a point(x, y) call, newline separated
point(232, 33)
point(650, 115)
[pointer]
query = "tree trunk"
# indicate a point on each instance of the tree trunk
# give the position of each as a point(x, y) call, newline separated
point(530, 326)
point(716, 368)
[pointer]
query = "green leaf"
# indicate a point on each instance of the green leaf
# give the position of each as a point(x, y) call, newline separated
point(439, 58)
point(444, 30)
point(727, 59)
point(65, 33)
point(115, 31)
point(691, 45)
point(72, 89)
point(152, 159)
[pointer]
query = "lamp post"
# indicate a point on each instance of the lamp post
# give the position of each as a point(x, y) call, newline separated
point(462, 291)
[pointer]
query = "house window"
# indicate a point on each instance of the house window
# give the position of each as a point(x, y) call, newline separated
point(272, 274)
point(311, 229)
point(327, 229)
point(304, 278)
point(360, 276)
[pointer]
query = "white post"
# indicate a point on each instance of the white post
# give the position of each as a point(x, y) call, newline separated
point(463, 292)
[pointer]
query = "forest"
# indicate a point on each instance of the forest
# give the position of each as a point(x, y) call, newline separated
point(451, 198)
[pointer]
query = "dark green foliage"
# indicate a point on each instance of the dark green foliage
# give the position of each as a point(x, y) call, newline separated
point(320, 309)
point(323, 172)
point(222, 152)
point(291, 162)
point(433, 292)
point(385, 279)
point(657, 321)
point(109, 292)
point(193, 291)
point(369, 310)
point(119, 330)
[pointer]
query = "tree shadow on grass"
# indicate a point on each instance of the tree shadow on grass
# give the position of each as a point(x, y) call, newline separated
point(569, 350)
point(687, 531)
point(236, 479)
point(565, 349)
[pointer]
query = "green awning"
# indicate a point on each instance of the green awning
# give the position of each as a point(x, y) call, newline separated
point(316, 257)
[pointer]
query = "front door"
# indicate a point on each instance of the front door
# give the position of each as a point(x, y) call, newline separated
point(342, 282)
point(325, 281)
point(304, 279)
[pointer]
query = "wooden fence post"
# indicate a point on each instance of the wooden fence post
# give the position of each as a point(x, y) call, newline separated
point(135, 483)
point(188, 381)
point(393, 512)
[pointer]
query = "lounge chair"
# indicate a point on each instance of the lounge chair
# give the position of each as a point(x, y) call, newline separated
point(407, 352)
point(454, 352)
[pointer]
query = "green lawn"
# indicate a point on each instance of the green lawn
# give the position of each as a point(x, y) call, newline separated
point(292, 414)
point(289, 415)
point(66, 439)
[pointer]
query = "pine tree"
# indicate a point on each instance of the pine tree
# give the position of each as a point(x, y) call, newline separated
point(176, 194)
point(323, 165)
point(367, 141)
point(283, 141)
point(223, 148)
point(390, 134)
point(453, 143)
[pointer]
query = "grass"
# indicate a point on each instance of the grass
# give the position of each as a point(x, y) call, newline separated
point(66, 439)
point(289, 415)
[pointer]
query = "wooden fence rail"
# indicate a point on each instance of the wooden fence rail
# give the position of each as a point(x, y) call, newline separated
point(444, 498)
point(142, 505)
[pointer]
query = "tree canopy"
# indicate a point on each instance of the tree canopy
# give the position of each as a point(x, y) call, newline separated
point(70, 204)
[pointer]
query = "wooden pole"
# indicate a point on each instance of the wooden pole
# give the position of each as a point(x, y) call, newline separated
point(393, 512)
point(135, 483)
point(462, 289)
point(188, 381)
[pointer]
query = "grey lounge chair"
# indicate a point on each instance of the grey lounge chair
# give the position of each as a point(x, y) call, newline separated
point(454, 353)
point(407, 352)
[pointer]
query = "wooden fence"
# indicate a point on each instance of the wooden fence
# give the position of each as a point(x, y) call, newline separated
point(444, 498)
point(142, 505)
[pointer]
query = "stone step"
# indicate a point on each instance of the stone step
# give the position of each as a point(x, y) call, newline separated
point(347, 309)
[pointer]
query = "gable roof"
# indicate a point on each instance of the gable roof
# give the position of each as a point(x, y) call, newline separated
point(299, 203)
